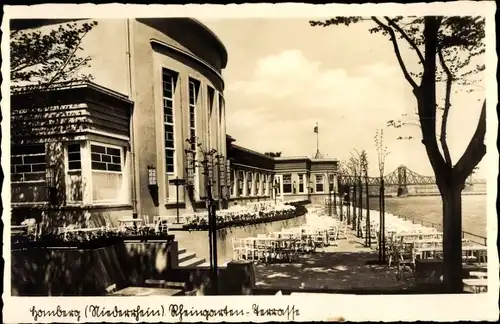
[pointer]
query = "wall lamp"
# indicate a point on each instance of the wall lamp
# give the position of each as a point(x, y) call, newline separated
point(152, 180)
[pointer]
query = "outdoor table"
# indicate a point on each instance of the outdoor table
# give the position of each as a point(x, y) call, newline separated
point(18, 229)
point(478, 274)
point(84, 229)
point(127, 221)
point(479, 251)
point(131, 220)
point(474, 249)
point(147, 291)
point(477, 285)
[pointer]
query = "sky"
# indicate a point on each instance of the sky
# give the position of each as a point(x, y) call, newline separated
point(284, 76)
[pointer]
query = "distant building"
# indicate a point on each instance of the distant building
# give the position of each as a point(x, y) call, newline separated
point(110, 148)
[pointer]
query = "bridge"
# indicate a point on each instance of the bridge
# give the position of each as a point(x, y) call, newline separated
point(406, 181)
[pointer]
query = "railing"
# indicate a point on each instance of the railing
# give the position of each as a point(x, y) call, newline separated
point(470, 236)
point(475, 238)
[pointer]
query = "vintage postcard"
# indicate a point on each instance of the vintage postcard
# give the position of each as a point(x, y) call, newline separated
point(224, 162)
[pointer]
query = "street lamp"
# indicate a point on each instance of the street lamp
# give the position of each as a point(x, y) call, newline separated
point(330, 190)
point(276, 187)
point(382, 154)
point(207, 163)
point(177, 182)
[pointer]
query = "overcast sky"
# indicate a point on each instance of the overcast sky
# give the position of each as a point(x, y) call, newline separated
point(283, 76)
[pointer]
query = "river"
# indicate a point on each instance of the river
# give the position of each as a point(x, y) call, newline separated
point(430, 208)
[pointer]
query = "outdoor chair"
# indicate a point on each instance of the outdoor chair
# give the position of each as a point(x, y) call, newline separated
point(333, 233)
point(468, 257)
point(111, 290)
point(238, 250)
point(250, 249)
point(404, 261)
point(268, 251)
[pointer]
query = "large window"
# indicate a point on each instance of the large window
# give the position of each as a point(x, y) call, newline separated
point(287, 183)
point(74, 175)
point(105, 158)
point(319, 183)
point(301, 183)
point(330, 182)
point(28, 162)
point(74, 157)
point(107, 177)
point(169, 80)
point(211, 97)
point(194, 86)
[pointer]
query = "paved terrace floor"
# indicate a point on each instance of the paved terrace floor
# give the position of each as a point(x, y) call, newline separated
point(347, 266)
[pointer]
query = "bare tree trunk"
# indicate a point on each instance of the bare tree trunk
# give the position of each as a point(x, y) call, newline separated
point(452, 237)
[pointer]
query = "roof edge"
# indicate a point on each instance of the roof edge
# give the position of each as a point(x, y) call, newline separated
point(222, 47)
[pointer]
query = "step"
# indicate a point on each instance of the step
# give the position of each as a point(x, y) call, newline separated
point(186, 256)
point(193, 262)
point(181, 251)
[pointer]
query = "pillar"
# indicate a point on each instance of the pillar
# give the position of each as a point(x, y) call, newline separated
point(245, 184)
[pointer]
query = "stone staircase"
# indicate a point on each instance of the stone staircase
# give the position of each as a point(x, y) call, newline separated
point(189, 259)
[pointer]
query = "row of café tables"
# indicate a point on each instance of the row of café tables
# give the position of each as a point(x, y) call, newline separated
point(407, 242)
point(288, 244)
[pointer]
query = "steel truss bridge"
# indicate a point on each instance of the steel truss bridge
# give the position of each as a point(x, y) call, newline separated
point(400, 177)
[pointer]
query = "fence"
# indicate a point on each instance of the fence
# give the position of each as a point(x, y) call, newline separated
point(465, 235)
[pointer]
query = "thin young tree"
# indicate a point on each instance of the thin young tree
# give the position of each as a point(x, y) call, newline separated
point(39, 60)
point(449, 50)
point(42, 59)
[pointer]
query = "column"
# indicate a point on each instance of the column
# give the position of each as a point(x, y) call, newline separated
point(245, 184)
point(87, 173)
point(235, 184)
point(252, 188)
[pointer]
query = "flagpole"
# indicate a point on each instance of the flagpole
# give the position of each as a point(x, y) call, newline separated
point(317, 138)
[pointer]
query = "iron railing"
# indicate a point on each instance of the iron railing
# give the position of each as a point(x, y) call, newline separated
point(479, 239)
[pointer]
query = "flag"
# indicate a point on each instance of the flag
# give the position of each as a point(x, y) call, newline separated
point(316, 129)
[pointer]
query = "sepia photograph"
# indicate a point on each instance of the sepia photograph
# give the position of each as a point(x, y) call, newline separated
point(257, 156)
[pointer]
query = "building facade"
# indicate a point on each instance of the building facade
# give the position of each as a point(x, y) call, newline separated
point(145, 137)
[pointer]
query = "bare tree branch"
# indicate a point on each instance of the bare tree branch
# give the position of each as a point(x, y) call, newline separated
point(474, 151)
point(447, 105)
point(68, 59)
point(406, 37)
point(396, 51)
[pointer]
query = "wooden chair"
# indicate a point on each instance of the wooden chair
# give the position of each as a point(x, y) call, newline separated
point(238, 250)
point(404, 260)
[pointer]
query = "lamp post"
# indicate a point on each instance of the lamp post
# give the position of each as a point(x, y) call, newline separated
point(206, 163)
point(360, 204)
point(330, 192)
point(354, 202)
point(276, 187)
point(382, 154)
point(341, 193)
point(177, 182)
